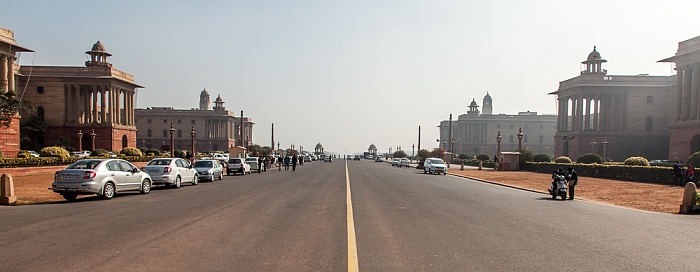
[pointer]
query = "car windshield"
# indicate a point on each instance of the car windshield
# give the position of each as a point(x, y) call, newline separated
point(159, 162)
point(84, 164)
point(202, 164)
point(436, 161)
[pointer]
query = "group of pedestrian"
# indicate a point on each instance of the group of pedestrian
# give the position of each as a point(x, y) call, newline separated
point(682, 176)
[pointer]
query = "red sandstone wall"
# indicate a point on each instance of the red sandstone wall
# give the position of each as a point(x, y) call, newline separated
point(9, 138)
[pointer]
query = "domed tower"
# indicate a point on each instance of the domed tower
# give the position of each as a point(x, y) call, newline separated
point(594, 64)
point(219, 103)
point(204, 100)
point(473, 108)
point(487, 105)
point(98, 56)
point(372, 149)
point(318, 149)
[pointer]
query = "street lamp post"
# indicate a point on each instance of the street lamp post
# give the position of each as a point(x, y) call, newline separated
point(194, 154)
point(93, 138)
point(413, 152)
point(520, 139)
point(172, 140)
point(80, 140)
point(498, 150)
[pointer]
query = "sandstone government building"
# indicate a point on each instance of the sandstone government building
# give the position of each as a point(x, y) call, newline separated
point(615, 116)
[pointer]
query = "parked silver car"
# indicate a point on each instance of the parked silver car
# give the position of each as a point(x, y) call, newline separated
point(104, 177)
point(171, 172)
point(209, 169)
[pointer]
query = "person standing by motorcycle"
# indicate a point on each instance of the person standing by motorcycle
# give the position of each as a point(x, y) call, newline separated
point(555, 176)
point(690, 173)
point(572, 178)
point(678, 173)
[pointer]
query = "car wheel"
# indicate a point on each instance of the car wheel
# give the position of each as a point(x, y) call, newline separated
point(195, 180)
point(178, 182)
point(228, 173)
point(70, 197)
point(425, 171)
point(221, 176)
point(146, 186)
point(445, 173)
point(108, 191)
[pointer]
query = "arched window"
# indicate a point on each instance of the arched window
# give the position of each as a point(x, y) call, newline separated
point(124, 141)
point(650, 123)
point(40, 112)
point(165, 133)
point(150, 133)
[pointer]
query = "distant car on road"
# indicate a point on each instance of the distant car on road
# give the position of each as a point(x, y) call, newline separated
point(80, 154)
point(328, 159)
point(395, 162)
point(379, 159)
point(171, 172)
point(237, 165)
point(434, 165)
point(357, 158)
point(104, 177)
point(403, 162)
point(209, 169)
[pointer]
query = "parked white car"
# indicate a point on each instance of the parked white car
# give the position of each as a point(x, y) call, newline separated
point(253, 162)
point(237, 165)
point(434, 165)
point(395, 162)
point(171, 172)
point(403, 162)
point(209, 169)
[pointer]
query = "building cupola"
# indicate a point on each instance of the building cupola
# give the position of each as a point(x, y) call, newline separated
point(594, 64)
point(487, 105)
point(219, 103)
point(204, 100)
point(473, 108)
point(98, 56)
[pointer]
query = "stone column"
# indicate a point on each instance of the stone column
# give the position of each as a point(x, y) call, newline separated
point(587, 114)
point(695, 91)
point(3, 72)
point(678, 94)
point(579, 113)
point(118, 106)
point(573, 113)
point(685, 112)
point(94, 104)
point(11, 73)
point(596, 113)
point(103, 105)
point(561, 114)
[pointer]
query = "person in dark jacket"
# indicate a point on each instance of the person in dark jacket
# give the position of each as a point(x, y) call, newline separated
point(572, 178)
point(260, 164)
point(678, 173)
point(294, 163)
point(287, 159)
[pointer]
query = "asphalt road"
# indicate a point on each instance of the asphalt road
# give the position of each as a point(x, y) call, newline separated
point(404, 220)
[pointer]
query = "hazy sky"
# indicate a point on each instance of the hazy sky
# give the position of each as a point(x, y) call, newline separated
point(351, 73)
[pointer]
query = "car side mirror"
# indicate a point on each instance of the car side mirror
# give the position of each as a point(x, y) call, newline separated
point(135, 170)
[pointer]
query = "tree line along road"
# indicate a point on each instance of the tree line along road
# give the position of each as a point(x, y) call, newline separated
point(403, 220)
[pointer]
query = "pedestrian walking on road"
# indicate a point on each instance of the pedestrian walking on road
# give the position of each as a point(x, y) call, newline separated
point(260, 164)
point(572, 178)
point(264, 164)
point(294, 163)
point(286, 163)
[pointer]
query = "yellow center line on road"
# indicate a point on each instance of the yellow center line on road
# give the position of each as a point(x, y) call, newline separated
point(352, 243)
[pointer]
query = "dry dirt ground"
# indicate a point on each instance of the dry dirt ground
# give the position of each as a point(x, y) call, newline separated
point(32, 183)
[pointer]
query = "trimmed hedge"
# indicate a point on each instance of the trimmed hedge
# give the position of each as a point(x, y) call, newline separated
point(639, 161)
point(53, 161)
point(562, 159)
point(542, 158)
point(647, 174)
point(590, 158)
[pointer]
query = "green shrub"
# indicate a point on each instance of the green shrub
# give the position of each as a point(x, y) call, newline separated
point(23, 154)
point(640, 161)
point(99, 152)
point(694, 158)
point(542, 158)
point(464, 156)
point(563, 159)
point(1, 156)
point(697, 198)
point(589, 158)
point(483, 157)
point(143, 149)
point(130, 151)
point(55, 151)
point(155, 152)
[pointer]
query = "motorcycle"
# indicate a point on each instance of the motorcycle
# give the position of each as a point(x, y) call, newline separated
point(560, 188)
